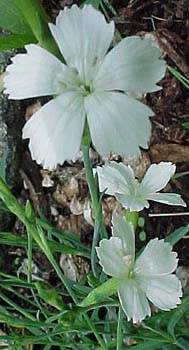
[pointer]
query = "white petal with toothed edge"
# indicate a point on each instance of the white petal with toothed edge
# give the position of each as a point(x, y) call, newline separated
point(111, 180)
point(117, 123)
point(36, 73)
point(167, 198)
point(156, 259)
point(157, 177)
point(132, 66)
point(133, 301)
point(116, 178)
point(83, 36)
point(110, 253)
point(55, 131)
point(164, 291)
point(124, 230)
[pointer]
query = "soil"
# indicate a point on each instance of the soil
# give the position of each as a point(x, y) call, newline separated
point(63, 195)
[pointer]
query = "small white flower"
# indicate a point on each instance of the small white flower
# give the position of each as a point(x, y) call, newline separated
point(119, 180)
point(149, 277)
point(93, 84)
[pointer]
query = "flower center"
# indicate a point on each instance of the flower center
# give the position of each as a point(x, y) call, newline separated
point(86, 89)
point(128, 259)
point(75, 85)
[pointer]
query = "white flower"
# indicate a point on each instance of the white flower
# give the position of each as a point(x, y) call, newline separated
point(93, 84)
point(149, 277)
point(119, 180)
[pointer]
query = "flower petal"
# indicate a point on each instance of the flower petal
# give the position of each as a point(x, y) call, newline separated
point(156, 259)
point(126, 172)
point(55, 131)
point(157, 177)
point(167, 198)
point(115, 177)
point(124, 230)
point(164, 291)
point(133, 301)
point(132, 66)
point(117, 123)
point(36, 73)
point(83, 36)
point(133, 201)
point(110, 253)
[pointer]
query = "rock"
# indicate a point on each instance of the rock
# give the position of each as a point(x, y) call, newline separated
point(10, 138)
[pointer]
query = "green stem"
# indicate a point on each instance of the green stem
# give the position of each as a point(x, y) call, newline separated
point(93, 329)
point(43, 244)
point(99, 228)
point(90, 178)
point(17, 307)
point(132, 217)
point(119, 329)
point(29, 275)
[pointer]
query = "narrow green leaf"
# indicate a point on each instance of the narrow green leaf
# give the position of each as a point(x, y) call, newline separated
point(12, 19)
point(182, 344)
point(15, 41)
point(11, 202)
point(29, 212)
point(12, 239)
point(109, 7)
point(177, 315)
point(22, 322)
point(49, 295)
point(150, 345)
point(179, 76)
point(37, 19)
point(185, 125)
point(94, 3)
point(100, 293)
point(183, 173)
point(177, 235)
point(119, 329)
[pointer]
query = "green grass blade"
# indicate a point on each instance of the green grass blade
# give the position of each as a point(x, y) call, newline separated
point(177, 235)
point(177, 315)
point(12, 239)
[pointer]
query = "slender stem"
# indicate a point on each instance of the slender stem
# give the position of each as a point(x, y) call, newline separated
point(93, 189)
point(29, 252)
point(43, 244)
point(90, 178)
point(99, 227)
point(161, 334)
point(92, 327)
point(119, 329)
point(132, 217)
point(17, 307)
point(29, 275)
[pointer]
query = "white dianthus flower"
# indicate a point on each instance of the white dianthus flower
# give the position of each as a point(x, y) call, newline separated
point(119, 180)
point(93, 84)
point(149, 277)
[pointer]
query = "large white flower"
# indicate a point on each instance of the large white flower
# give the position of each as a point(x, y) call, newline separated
point(149, 277)
point(92, 84)
point(119, 180)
